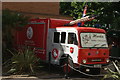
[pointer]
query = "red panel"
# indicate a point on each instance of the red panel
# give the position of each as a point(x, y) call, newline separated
point(19, 38)
point(90, 29)
point(58, 22)
point(38, 40)
point(89, 54)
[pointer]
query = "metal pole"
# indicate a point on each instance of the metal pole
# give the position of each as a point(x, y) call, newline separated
point(49, 60)
point(66, 73)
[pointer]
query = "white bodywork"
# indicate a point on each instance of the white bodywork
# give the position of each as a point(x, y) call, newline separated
point(62, 48)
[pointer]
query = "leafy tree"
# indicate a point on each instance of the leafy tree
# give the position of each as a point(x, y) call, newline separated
point(10, 21)
point(108, 12)
point(23, 61)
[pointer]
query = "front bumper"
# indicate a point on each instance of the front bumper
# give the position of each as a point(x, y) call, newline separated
point(93, 65)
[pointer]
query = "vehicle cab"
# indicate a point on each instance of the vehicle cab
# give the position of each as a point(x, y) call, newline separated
point(85, 45)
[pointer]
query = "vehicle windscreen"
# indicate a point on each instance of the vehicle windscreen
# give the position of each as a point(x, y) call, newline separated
point(93, 40)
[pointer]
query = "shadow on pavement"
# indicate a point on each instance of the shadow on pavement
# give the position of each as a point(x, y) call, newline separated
point(56, 73)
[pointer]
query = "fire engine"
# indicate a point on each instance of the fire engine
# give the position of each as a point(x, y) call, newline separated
point(86, 46)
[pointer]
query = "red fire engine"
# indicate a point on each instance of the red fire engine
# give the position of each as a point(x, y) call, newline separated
point(86, 46)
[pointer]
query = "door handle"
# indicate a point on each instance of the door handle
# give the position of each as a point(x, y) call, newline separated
point(67, 46)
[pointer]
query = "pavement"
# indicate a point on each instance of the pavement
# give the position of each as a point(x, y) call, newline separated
point(53, 74)
point(48, 77)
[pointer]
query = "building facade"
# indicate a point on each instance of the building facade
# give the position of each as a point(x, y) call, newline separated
point(36, 9)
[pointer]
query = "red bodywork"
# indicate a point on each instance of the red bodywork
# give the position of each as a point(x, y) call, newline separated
point(39, 41)
point(103, 54)
point(89, 54)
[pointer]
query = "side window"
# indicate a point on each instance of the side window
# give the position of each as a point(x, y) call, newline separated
point(72, 38)
point(56, 37)
point(63, 37)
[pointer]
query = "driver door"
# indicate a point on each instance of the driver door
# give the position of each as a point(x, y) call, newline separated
point(72, 46)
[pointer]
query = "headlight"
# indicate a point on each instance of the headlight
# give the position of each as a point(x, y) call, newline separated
point(84, 61)
point(107, 60)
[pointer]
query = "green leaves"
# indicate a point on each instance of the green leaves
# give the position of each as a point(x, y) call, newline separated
point(108, 12)
point(13, 19)
point(116, 23)
point(10, 22)
point(23, 61)
point(113, 74)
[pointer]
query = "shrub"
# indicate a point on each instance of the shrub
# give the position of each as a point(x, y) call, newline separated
point(11, 21)
point(23, 61)
point(115, 75)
